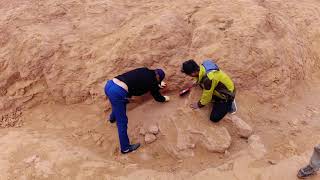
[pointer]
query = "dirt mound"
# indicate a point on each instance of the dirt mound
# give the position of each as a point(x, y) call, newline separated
point(65, 51)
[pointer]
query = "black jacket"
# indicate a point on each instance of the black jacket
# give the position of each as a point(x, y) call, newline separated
point(141, 81)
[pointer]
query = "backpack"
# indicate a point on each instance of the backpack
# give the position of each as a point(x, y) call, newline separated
point(210, 65)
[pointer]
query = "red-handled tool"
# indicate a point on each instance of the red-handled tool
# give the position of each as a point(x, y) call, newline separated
point(187, 90)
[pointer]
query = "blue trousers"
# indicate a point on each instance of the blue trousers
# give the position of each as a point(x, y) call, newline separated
point(118, 99)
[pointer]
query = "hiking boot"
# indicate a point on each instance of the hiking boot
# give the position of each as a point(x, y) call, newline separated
point(233, 108)
point(132, 147)
point(306, 172)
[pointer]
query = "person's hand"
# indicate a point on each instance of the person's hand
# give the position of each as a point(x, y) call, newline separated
point(162, 85)
point(167, 98)
point(194, 105)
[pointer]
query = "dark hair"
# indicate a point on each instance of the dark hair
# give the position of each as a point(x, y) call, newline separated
point(190, 67)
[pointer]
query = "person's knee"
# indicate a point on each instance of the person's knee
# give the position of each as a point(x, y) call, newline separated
point(215, 118)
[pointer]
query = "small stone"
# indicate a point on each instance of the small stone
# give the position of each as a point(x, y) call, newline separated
point(272, 162)
point(191, 146)
point(276, 106)
point(150, 138)
point(100, 142)
point(32, 159)
point(293, 122)
point(153, 129)
point(142, 131)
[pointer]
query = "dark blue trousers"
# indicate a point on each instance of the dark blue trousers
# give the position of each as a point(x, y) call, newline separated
point(118, 99)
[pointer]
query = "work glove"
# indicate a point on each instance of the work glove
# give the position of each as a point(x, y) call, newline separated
point(167, 98)
point(162, 85)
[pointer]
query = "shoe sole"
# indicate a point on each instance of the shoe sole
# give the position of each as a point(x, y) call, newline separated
point(123, 152)
point(307, 176)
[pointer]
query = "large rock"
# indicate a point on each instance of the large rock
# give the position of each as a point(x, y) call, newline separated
point(243, 129)
point(153, 129)
point(150, 138)
point(214, 139)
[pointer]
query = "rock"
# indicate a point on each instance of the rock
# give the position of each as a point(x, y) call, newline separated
point(293, 122)
point(153, 129)
point(272, 162)
point(142, 131)
point(243, 129)
point(150, 138)
point(226, 167)
point(32, 159)
point(100, 142)
point(191, 146)
point(214, 139)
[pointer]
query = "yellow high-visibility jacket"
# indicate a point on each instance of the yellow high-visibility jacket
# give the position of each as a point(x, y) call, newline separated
point(215, 83)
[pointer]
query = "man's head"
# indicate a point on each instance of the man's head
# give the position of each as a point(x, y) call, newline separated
point(160, 75)
point(191, 68)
